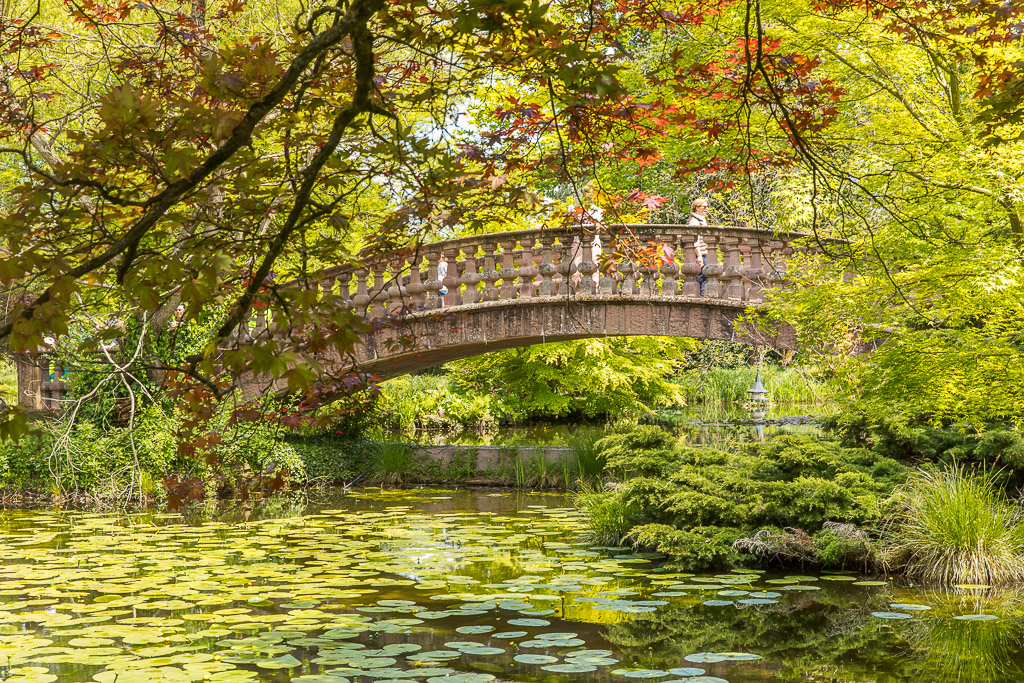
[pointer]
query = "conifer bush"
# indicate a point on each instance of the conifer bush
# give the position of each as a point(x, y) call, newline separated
point(695, 503)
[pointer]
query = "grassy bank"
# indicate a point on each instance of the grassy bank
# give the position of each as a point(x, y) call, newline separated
point(338, 461)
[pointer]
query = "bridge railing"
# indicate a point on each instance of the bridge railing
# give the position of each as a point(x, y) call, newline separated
point(627, 260)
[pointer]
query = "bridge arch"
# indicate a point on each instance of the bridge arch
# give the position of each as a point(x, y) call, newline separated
point(492, 326)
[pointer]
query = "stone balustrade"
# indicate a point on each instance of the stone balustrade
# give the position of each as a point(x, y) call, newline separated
point(627, 260)
point(626, 264)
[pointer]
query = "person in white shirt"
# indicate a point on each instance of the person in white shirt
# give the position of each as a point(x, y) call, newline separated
point(698, 218)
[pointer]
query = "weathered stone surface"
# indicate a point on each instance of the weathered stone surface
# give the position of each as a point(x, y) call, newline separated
point(490, 326)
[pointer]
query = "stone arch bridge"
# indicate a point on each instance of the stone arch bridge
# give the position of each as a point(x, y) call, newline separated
point(471, 295)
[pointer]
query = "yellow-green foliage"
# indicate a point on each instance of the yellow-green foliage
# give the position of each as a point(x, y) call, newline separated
point(588, 377)
point(8, 381)
point(694, 503)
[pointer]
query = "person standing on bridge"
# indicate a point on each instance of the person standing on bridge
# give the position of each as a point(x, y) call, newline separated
point(698, 218)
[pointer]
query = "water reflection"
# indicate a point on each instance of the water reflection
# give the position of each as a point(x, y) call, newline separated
point(717, 429)
point(450, 587)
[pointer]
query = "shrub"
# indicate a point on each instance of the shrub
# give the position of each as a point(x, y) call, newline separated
point(955, 526)
point(89, 459)
point(332, 460)
point(695, 503)
point(414, 402)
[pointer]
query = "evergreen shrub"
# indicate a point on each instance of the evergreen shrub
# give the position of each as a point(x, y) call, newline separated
point(695, 503)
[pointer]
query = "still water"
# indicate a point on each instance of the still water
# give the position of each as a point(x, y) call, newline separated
point(721, 428)
point(452, 587)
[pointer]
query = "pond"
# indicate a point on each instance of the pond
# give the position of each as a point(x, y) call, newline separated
point(451, 587)
point(706, 427)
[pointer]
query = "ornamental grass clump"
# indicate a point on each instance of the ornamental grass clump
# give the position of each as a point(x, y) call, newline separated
point(956, 527)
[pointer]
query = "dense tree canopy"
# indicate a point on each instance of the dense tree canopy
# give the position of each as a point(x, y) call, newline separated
point(219, 154)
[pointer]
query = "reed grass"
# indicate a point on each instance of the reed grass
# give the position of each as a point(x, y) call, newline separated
point(392, 464)
point(955, 527)
point(607, 517)
point(724, 387)
point(586, 456)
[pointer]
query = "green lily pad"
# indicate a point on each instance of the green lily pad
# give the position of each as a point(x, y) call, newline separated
point(474, 630)
point(535, 659)
point(705, 658)
point(686, 671)
point(976, 617)
point(462, 678)
point(569, 668)
point(891, 615)
point(529, 622)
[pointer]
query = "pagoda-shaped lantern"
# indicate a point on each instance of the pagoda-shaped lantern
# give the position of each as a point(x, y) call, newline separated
point(757, 393)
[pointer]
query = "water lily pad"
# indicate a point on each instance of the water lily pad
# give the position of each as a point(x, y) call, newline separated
point(891, 615)
point(474, 630)
point(535, 659)
point(869, 583)
point(642, 673)
point(705, 658)
point(976, 617)
point(909, 607)
point(717, 603)
point(686, 671)
point(529, 622)
point(509, 634)
point(570, 668)
point(462, 678)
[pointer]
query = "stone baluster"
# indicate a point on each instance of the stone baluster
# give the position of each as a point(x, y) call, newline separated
point(647, 269)
point(508, 270)
point(548, 266)
point(563, 252)
point(527, 269)
point(629, 276)
point(587, 266)
point(490, 274)
point(669, 269)
point(378, 294)
point(608, 284)
point(732, 274)
point(345, 289)
point(258, 327)
point(471, 276)
point(396, 289)
point(690, 268)
point(326, 288)
point(775, 257)
point(417, 292)
point(361, 299)
point(432, 285)
point(713, 268)
point(452, 281)
point(753, 272)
